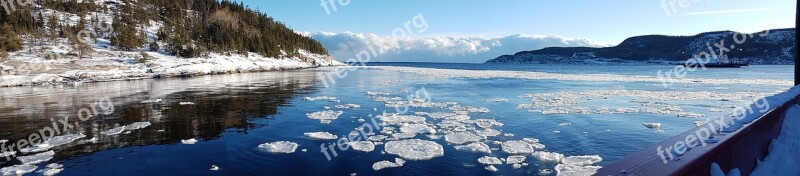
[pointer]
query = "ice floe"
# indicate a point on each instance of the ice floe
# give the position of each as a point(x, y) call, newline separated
point(323, 116)
point(515, 159)
point(582, 160)
point(548, 157)
point(114, 131)
point(53, 142)
point(377, 138)
point(347, 106)
point(137, 125)
point(393, 118)
point(37, 158)
point(497, 100)
point(7, 154)
point(329, 98)
point(652, 125)
point(320, 135)
point(517, 147)
point(491, 168)
point(52, 169)
point(279, 147)
point(191, 141)
point(414, 149)
point(364, 146)
point(214, 168)
point(17, 170)
point(488, 160)
point(474, 147)
point(398, 162)
point(417, 128)
point(461, 138)
point(575, 170)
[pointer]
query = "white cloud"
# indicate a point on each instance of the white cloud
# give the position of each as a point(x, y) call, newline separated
point(346, 45)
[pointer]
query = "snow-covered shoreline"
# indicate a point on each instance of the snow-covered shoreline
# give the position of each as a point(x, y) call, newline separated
point(24, 69)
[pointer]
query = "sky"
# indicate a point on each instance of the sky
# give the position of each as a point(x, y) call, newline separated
point(610, 21)
point(473, 31)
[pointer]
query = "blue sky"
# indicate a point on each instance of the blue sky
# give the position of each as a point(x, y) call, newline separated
point(608, 21)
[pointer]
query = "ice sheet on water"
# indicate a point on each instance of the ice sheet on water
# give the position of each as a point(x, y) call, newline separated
point(137, 125)
point(491, 168)
point(488, 132)
point(488, 160)
point(515, 159)
point(320, 135)
point(329, 98)
point(37, 158)
point(517, 147)
point(347, 106)
point(530, 140)
point(53, 142)
point(461, 138)
point(370, 93)
point(398, 162)
point(364, 146)
point(377, 138)
point(327, 115)
point(487, 123)
point(474, 147)
point(652, 125)
point(114, 131)
point(52, 169)
point(404, 135)
point(548, 157)
point(497, 100)
point(278, 147)
point(392, 118)
point(417, 128)
point(414, 149)
point(437, 115)
point(17, 170)
point(582, 160)
point(574, 170)
point(191, 141)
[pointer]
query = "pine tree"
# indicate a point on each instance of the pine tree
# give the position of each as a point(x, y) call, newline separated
point(9, 39)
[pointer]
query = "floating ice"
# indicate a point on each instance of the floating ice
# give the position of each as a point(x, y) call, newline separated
point(437, 115)
point(545, 171)
point(347, 106)
point(491, 168)
point(516, 166)
point(152, 101)
point(364, 146)
point(537, 146)
point(321, 98)
point(417, 128)
point(114, 131)
point(461, 138)
point(414, 149)
point(377, 138)
point(137, 125)
point(516, 159)
point(488, 160)
point(570, 170)
point(52, 169)
point(690, 115)
point(398, 162)
point(474, 147)
point(652, 125)
point(279, 147)
point(7, 154)
point(320, 135)
point(487, 123)
point(404, 135)
point(517, 147)
point(377, 93)
point(497, 100)
point(488, 132)
point(392, 118)
point(189, 141)
point(37, 158)
point(214, 168)
point(548, 157)
point(323, 116)
point(582, 160)
point(186, 103)
point(17, 170)
point(52, 142)
point(530, 140)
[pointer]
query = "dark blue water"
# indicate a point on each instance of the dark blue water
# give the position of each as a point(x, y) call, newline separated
point(233, 114)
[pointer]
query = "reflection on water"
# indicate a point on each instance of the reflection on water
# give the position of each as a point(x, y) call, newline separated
point(226, 102)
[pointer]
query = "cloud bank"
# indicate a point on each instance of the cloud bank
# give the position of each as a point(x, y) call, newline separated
point(346, 45)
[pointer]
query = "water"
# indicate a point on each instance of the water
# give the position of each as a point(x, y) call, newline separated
point(233, 114)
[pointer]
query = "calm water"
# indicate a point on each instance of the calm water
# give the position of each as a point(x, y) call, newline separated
point(233, 114)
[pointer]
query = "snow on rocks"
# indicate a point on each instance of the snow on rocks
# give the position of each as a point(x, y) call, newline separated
point(515, 159)
point(462, 138)
point(320, 136)
point(186, 103)
point(324, 116)
point(414, 149)
point(474, 147)
point(37, 158)
point(517, 147)
point(137, 125)
point(279, 147)
point(364, 146)
point(548, 157)
point(53, 142)
point(189, 141)
point(488, 160)
point(114, 131)
point(398, 162)
point(17, 170)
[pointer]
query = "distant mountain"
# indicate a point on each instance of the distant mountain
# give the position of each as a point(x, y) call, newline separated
point(767, 47)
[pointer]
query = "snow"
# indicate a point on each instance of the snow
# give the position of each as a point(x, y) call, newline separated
point(548, 157)
point(488, 160)
point(189, 141)
point(279, 147)
point(52, 142)
point(114, 131)
point(327, 115)
point(137, 125)
point(516, 159)
point(784, 151)
point(461, 138)
point(414, 149)
point(474, 147)
point(398, 162)
point(37, 158)
point(186, 103)
point(364, 146)
point(17, 170)
point(320, 135)
point(7, 154)
point(517, 147)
